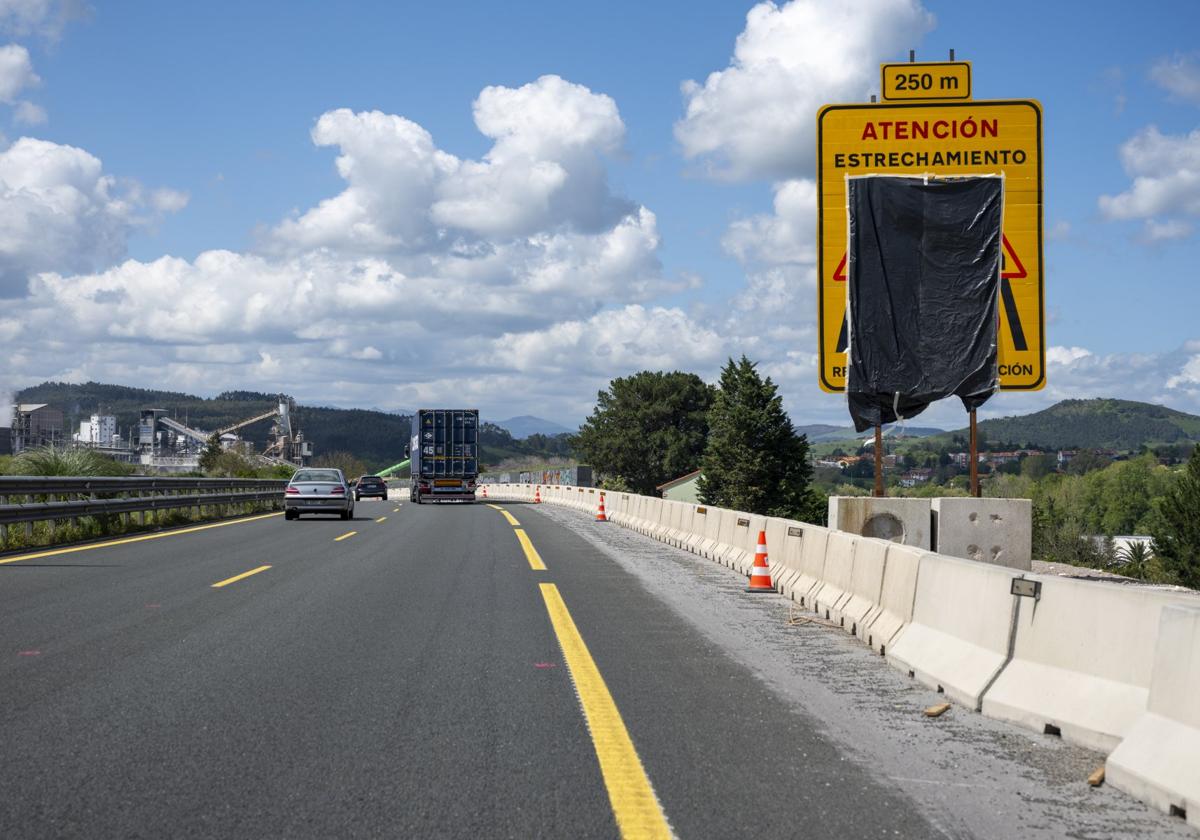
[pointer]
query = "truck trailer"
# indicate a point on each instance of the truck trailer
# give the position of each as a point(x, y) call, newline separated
point(445, 455)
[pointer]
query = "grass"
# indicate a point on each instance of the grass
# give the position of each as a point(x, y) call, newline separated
point(86, 528)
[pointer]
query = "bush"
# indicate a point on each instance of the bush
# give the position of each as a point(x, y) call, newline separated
point(50, 460)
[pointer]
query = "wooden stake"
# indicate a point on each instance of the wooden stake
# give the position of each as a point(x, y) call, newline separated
point(879, 459)
point(974, 457)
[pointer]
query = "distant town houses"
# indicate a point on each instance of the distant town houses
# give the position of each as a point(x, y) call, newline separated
point(919, 469)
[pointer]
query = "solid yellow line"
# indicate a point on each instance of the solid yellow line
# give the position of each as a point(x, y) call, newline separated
point(495, 507)
point(512, 520)
point(345, 536)
point(236, 578)
point(634, 804)
point(127, 540)
point(535, 559)
point(380, 519)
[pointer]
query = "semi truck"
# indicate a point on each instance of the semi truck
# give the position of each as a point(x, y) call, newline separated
point(445, 455)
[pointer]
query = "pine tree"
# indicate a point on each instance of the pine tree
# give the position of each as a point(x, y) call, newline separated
point(1177, 537)
point(754, 460)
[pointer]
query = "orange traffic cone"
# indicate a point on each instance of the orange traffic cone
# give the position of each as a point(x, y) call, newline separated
point(600, 515)
point(485, 491)
point(760, 574)
point(537, 495)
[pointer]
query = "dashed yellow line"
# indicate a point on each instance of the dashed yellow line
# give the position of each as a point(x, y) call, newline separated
point(127, 540)
point(345, 536)
point(236, 578)
point(512, 520)
point(531, 554)
point(381, 519)
point(638, 812)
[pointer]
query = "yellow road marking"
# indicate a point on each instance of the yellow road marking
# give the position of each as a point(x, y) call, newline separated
point(634, 803)
point(494, 507)
point(395, 510)
point(345, 536)
point(126, 540)
point(380, 519)
point(512, 520)
point(236, 578)
point(535, 559)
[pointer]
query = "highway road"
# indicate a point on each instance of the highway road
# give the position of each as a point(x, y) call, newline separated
point(421, 671)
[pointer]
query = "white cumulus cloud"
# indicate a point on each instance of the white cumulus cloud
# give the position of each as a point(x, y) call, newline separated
point(59, 211)
point(544, 172)
point(1166, 182)
point(16, 72)
point(756, 118)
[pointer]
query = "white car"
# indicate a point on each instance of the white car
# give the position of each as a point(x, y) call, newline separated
point(318, 490)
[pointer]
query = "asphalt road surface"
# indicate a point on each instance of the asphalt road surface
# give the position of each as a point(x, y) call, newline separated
point(412, 673)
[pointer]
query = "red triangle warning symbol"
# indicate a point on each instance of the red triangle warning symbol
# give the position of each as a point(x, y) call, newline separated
point(1016, 272)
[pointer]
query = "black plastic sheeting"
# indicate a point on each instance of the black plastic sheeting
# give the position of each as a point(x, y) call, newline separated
point(924, 280)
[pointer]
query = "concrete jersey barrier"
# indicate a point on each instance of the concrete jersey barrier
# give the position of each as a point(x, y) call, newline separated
point(961, 627)
point(1082, 658)
point(866, 583)
point(1159, 760)
point(881, 627)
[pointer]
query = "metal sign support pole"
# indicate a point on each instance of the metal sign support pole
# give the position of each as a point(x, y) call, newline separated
point(878, 460)
point(974, 458)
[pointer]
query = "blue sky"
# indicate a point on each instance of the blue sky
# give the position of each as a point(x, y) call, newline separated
point(536, 198)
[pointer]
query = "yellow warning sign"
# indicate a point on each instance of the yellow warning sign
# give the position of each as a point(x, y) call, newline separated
point(937, 139)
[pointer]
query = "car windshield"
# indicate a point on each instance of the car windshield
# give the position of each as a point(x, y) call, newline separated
point(317, 475)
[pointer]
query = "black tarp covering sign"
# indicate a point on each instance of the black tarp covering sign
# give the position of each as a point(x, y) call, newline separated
point(924, 280)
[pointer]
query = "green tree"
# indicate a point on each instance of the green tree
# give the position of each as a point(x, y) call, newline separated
point(1177, 537)
point(212, 452)
point(350, 466)
point(754, 460)
point(647, 428)
point(1037, 466)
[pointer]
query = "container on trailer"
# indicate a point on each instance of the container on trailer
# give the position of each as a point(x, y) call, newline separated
point(445, 455)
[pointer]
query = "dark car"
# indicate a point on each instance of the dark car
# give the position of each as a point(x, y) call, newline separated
point(370, 485)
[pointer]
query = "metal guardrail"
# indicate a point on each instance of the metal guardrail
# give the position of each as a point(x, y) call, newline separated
point(41, 485)
point(39, 502)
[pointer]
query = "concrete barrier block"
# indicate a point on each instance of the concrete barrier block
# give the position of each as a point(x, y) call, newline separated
point(812, 565)
point(1082, 660)
point(866, 583)
point(996, 531)
point(787, 553)
point(834, 587)
point(904, 521)
point(962, 622)
point(734, 555)
point(743, 556)
point(712, 531)
point(1159, 760)
point(882, 626)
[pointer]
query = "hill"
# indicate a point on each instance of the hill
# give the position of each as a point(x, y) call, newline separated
point(1120, 425)
point(375, 437)
point(824, 433)
point(526, 425)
